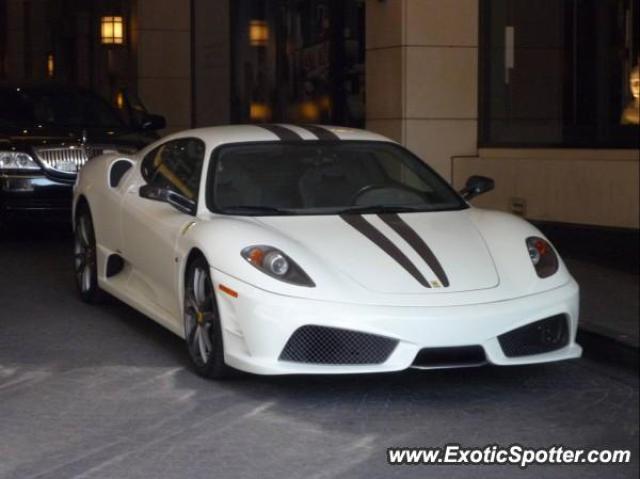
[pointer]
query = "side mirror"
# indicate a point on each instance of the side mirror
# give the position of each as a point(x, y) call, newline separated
point(165, 195)
point(476, 185)
point(153, 122)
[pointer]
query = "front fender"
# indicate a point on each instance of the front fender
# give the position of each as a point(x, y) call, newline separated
point(221, 240)
point(506, 235)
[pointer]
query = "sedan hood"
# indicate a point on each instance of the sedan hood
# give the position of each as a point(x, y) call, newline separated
point(409, 253)
point(55, 135)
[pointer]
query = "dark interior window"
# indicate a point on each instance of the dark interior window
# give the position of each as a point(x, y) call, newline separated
point(324, 178)
point(298, 61)
point(559, 73)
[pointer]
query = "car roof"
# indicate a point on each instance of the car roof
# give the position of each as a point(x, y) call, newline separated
point(219, 135)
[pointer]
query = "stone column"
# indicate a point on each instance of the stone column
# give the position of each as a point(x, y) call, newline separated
point(162, 36)
point(422, 76)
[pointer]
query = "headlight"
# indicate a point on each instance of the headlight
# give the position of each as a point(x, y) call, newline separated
point(17, 160)
point(543, 257)
point(276, 264)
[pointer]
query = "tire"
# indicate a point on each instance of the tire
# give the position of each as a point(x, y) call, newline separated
point(85, 258)
point(203, 332)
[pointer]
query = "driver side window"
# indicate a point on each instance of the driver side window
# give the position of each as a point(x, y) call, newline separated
point(176, 165)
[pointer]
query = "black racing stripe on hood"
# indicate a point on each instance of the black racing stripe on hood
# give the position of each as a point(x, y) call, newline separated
point(283, 133)
point(321, 132)
point(385, 244)
point(407, 233)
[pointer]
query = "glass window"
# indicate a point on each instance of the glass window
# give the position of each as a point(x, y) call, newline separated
point(3, 40)
point(298, 61)
point(559, 73)
point(176, 165)
point(59, 107)
point(14, 110)
point(324, 178)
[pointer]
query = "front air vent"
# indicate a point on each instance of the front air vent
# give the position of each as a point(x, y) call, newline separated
point(540, 337)
point(118, 170)
point(334, 346)
point(450, 357)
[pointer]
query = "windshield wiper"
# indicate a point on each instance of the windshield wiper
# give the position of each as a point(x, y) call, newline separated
point(381, 209)
point(255, 208)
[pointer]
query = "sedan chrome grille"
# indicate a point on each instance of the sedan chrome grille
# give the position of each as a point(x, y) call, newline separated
point(70, 159)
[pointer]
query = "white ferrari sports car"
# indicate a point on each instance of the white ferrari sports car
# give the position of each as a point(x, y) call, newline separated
point(282, 249)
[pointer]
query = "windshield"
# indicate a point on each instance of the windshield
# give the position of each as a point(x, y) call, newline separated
point(324, 178)
point(60, 108)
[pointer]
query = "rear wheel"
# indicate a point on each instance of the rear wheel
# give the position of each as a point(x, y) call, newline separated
point(85, 258)
point(203, 332)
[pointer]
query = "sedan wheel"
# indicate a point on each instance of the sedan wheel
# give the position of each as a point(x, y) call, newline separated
point(203, 333)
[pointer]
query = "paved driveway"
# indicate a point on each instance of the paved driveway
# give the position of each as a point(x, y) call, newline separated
point(102, 392)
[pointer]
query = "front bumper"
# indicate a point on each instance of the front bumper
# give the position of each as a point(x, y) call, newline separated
point(29, 196)
point(257, 325)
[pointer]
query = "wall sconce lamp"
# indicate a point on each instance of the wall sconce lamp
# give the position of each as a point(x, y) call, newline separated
point(309, 111)
point(112, 30)
point(259, 112)
point(258, 33)
point(51, 65)
point(120, 102)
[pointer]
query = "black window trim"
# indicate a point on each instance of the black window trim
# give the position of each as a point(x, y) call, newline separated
point(215, 155)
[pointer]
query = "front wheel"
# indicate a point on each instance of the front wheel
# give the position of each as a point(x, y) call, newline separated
point(85, 258)
point(203, 332)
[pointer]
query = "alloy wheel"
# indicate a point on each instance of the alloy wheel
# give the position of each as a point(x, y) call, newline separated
point(85, 255)
point(200, 316)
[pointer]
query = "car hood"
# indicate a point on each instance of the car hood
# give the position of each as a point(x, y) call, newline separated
point(482, 252)
point(52, 135)
point(412, 253)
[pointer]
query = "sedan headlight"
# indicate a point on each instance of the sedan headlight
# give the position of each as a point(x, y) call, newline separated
point(276, 264)
point(17, 160)
point(543, 257)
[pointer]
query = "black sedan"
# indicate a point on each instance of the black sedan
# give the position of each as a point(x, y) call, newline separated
point(46, 134)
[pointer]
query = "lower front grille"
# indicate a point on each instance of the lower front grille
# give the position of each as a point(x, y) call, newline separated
point(322, 345)
point(539, 337)
point(449, 357)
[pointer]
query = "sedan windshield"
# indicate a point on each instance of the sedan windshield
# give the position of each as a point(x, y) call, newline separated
point(324, 178)
point(64, 108)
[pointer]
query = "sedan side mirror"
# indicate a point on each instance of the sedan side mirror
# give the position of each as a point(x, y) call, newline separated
point(477, 185)
point(165, 195)
point(153, 122)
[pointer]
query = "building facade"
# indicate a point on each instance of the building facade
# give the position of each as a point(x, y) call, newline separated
point(542, 96)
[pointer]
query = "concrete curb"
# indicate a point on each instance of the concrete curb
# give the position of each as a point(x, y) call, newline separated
point(625, 338)
point(607, 349)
